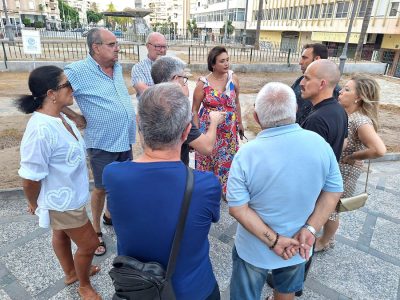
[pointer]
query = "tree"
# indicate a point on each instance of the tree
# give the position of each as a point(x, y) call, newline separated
point(364, 27)
point(229, 29)
point(111, 21)
point(68, 14)
point(192, 27)
point(258, 27)
point(93, 17)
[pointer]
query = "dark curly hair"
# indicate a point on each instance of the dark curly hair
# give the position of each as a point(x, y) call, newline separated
point(40, 81)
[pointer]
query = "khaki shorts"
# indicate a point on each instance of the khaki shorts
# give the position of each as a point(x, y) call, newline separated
point(60, 220)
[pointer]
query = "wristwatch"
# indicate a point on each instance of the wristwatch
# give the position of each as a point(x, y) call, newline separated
point(310, 228)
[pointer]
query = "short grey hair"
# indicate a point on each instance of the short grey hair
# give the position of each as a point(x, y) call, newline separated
point(275, 105)
point(165, 68)
point(93, 37)
point(163, 115)
point(150, 36)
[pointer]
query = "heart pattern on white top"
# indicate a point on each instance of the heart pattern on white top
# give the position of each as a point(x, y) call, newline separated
point(46, 133)
point(59, 199)
point(74, 155)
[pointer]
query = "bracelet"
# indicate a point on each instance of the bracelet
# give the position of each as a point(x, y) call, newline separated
point(276, 242)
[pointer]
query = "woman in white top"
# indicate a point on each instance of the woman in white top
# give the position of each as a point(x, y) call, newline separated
point(55, 176)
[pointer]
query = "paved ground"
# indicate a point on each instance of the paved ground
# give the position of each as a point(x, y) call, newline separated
point(365, 264)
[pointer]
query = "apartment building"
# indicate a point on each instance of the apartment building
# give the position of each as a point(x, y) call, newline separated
point(210, 15)
point(81, 6)
point(45, 11)
point(297, 22)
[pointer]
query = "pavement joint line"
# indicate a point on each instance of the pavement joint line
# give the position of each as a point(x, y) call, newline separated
point(367, 230)
point(23, 240)
point(321, 289)
point(385, 257)
point(16, 291)
point(383, 216)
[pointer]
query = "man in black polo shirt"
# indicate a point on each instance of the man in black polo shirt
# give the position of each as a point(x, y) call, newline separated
point(327, 117)
point(311, 52)
point(171, 69)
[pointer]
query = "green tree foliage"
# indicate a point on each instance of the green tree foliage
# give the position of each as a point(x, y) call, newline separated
point(38, 24)
point(68, 14)
point(192, 27)
point(230, 28)
point(93, 16)
point(111, 21)
point(26, 22)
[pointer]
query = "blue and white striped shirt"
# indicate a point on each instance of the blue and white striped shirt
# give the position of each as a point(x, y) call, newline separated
point(106, 105)
point(141, 72)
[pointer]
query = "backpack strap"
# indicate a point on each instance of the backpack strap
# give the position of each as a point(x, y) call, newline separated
point(187, 197)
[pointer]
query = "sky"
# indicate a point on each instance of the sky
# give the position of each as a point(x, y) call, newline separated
point(119, 4)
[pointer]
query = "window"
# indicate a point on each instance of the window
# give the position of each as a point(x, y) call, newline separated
point(285, 13)
point(295, 14)
point(394, 9)
point(327, 10)
point(316, 11)
point(362, 8)
point(311, 11)
point(305, 12)
point(342, 9)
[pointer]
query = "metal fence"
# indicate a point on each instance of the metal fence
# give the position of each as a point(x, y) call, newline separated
point(62, 51)
point(274, 53)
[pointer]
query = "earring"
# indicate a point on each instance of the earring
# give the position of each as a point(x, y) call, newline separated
point(54, 101)
point(356, 101)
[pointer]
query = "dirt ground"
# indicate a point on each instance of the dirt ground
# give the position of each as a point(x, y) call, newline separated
point(13, 126)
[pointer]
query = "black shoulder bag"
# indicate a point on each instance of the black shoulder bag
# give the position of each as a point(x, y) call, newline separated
point(134, 279)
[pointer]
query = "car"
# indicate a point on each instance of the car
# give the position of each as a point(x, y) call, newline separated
point(118, 33)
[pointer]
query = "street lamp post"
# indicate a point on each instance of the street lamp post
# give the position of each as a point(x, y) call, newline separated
point(245, 23)
point(226, 21)
point(343, 57)
point(8, 27)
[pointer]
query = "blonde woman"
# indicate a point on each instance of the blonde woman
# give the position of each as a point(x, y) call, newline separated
point(360, 99)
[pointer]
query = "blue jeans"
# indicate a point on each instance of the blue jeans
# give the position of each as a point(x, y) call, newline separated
point(247, 281)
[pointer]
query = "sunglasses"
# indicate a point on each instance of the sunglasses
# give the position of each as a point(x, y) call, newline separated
point(67, 84)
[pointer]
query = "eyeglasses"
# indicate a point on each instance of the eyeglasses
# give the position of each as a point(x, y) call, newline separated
point(185, 78)
point(111, 45)
point(67, 84)
point(159, 47)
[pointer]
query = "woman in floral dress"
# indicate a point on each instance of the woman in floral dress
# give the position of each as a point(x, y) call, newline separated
point(219, 91)
point(360, 99)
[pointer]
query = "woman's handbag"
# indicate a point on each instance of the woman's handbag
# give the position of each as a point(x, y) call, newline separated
point(355, 202)
point(136, 280)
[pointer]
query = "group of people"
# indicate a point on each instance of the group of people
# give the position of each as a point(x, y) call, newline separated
point(282, 188)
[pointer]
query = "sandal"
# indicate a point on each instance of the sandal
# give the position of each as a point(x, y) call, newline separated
point(107, 220)
point(101, 244)
point(92, 271)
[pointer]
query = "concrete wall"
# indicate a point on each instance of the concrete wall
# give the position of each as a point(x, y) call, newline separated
point(372, 68)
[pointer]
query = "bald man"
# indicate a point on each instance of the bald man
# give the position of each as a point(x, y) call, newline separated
point(327, 118)
point(156, 45)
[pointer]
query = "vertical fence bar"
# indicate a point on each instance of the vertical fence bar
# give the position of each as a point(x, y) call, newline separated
point(5, 55)
point(189, 55)
point(251, 54)
point(288, 57)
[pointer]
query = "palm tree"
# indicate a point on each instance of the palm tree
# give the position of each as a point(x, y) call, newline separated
point(259, 17)
point(364, 27)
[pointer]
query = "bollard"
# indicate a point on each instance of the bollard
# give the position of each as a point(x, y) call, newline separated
point(189, 56)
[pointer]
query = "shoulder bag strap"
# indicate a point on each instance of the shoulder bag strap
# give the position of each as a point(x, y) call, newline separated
point(187, 197)
point(366, 180)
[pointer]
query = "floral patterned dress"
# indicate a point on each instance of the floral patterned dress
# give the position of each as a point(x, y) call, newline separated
point(227, 143)
point(351, 173)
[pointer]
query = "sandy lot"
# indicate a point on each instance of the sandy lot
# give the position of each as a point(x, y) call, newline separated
point(12, 126)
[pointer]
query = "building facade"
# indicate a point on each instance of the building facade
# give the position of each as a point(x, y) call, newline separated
point(297, 22)
point(32, 11)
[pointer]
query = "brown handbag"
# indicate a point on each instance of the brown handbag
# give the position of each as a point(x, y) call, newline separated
point(355, 202)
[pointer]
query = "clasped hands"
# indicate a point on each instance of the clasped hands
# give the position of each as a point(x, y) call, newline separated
point(301, 243)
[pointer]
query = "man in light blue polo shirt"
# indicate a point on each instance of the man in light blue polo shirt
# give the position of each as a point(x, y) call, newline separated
point(108, 114)
point(281, 188)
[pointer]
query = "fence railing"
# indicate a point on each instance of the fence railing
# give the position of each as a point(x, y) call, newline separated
point(271, 54)
point(62, 51)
